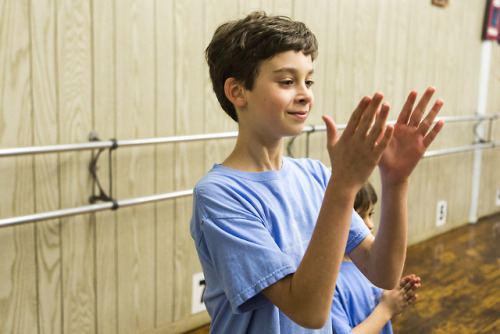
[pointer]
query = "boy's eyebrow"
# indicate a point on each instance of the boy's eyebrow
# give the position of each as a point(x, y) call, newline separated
point(291, 70)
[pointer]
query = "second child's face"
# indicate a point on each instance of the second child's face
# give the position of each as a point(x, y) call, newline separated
point(368, 217)
point(282, 97)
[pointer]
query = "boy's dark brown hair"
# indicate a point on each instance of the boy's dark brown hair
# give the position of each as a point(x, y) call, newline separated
point(238, 47)
point(365, 196)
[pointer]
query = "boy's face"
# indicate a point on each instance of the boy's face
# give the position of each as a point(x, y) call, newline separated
point(281, 98)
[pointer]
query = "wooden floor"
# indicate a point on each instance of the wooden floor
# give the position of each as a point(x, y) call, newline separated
point(460, 291)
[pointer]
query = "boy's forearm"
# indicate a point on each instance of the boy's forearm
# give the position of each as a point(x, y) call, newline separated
point(388, 251)
point(309, 290)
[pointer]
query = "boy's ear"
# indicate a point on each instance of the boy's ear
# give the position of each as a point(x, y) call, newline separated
point(235, 92)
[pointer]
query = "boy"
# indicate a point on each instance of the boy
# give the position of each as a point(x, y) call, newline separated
point(358, 306)
point(271, 231)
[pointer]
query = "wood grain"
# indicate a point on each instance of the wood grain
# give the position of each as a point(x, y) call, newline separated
point(47, 182)
point(135, 91)
point(165, 164)
point(189, 119)
point(74, 96)
point(104, 115)
point(18, 275)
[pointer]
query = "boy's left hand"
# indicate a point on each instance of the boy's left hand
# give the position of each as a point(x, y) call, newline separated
point(411, 137)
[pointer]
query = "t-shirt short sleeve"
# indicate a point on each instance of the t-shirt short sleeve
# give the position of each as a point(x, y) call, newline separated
point(357, 233)
point(246, 258)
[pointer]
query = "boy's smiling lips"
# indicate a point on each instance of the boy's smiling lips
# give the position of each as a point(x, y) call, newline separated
point(300, 114)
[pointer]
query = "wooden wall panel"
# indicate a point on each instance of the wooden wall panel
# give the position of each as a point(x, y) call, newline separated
point(136, 116)
point(74, 96)
point(314, 14)
point(165, 161)
point(216, 120)
point(190, 157)
point(18, 293)
point(47, 187)
point(104, 117)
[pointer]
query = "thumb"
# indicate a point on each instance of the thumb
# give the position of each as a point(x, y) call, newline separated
point(331, 130)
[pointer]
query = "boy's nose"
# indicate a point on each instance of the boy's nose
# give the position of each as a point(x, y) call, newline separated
point(305, 95)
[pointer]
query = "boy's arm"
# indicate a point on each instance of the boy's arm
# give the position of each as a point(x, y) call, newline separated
point(381, 259)
point(306, 296)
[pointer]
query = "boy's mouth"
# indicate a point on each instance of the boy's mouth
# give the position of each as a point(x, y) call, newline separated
point(299, 114)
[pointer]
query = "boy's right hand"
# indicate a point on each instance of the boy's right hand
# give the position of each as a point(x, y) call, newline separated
point(356, 154)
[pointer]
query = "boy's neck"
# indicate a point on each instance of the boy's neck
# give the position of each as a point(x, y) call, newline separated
point(253, 156)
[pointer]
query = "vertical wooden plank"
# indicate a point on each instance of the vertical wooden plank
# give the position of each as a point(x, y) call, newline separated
point(391, 50)
point(104, 116)
point(344, 99)
point(422, 216)
point(315, 15)
point(277, 7)
point(74, 95)
point(283, 7)
point(165, 160)
point(135, 89)
point(248, 6)
point(190, 157)
point(18, 311)
point(45, 120)
point(216, 120)
point(329, 49)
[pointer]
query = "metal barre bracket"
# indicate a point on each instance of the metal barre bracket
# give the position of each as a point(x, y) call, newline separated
point(102, 196)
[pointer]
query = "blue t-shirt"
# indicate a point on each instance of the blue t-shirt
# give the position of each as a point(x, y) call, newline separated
point(354, 299)
point(250, 231)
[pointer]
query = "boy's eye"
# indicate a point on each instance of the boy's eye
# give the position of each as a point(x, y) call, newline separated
point(287, 82)
point(371, 213)
point(309, 83)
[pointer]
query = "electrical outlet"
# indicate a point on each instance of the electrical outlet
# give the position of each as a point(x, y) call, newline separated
point(197, 304)
point(441, 213)
point(497, 197)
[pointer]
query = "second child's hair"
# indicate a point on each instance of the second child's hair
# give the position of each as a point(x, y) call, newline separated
point(238, 47)
point(365, 196)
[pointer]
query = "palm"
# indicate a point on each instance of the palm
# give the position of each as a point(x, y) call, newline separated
point(411, 137)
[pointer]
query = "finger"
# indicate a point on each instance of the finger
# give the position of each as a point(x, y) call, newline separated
point(331, 130)
point(411, 300)
point(414, 297)
point(429, 119)
point(384, 142)
point(417, 114)
point(405, 114)
point(356, 115)
point(405, 279)
point(370, 112)
point(433, 133)
point(408, 286)
point(376, 131)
